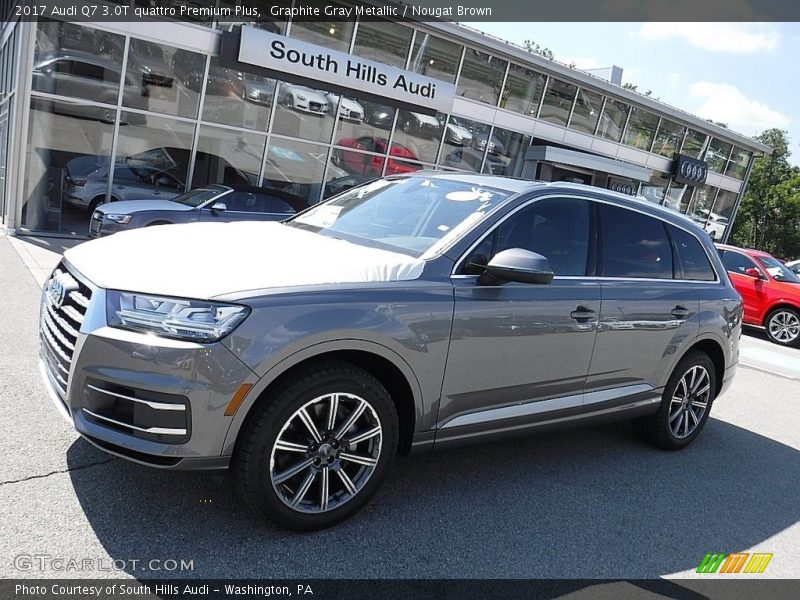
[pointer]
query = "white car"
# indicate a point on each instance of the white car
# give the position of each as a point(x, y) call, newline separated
point(794, 266)
point(299, 97)
point(714, 224)
point(348, 109)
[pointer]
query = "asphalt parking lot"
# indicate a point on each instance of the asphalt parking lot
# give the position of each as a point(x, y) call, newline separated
point(586, 504)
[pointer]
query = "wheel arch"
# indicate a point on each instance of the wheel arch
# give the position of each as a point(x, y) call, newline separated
point(714, 350)
point(386, 366)
point(778, 304)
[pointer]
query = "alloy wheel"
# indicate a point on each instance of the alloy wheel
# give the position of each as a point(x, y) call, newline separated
point(689, 401)
point(784, 326)
point(326, 452)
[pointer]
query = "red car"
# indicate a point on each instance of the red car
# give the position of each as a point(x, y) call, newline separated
point(364, 164)
point(770, 290)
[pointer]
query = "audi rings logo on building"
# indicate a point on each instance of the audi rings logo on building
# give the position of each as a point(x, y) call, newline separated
point(623, 187)
point(689, 170)
point(58, 287)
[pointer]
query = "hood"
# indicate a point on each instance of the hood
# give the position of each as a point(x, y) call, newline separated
point(83, 166)
point(310, 94)
point(352, 105)
point(207, 260)
point(127, 207)
point(460, 131)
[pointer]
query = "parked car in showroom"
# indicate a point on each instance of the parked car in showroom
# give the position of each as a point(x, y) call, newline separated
point(418, 124)
point(257, 88)
point(302, 98)
point(378, 115)
point(770, 290)
point(349, 109)
point(409, 314)
point(214, 203)
point(156, 173)
point(369, 164)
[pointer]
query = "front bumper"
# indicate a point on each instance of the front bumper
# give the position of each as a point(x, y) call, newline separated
point(152, 400)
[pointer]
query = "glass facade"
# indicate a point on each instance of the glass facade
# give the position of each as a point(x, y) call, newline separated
point(181, 119)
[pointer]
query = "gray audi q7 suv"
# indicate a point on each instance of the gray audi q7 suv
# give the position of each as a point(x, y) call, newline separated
point(412, 313)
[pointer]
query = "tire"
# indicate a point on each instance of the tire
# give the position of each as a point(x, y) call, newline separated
point(96, 201)
point(262, 468)
point(676, 424)
point(782, 326)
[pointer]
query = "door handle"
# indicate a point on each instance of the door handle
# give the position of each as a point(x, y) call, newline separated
point(582, 314)
point(680, 312)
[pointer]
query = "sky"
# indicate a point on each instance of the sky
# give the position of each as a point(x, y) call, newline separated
point(743, 74)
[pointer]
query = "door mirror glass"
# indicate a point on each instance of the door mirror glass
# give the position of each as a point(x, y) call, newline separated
point(752, 272)
point(516, 264)
point(218, 207)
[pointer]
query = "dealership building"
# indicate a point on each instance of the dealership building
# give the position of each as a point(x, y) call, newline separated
point(135, 110)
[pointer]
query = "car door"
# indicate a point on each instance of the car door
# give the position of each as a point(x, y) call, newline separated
point(520, 351)
point(648, 314)
point(239, 206)
point(751, 289)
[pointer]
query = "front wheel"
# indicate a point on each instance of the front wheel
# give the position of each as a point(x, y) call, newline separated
point(685, 404)
point(783, 327)
point(318, 447)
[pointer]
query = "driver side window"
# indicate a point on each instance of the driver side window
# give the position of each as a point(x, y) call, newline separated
point(556, 228)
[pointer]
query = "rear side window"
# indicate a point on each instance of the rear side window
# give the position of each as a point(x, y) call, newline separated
point(692, 259)
point(634, 245)
point(276, 205)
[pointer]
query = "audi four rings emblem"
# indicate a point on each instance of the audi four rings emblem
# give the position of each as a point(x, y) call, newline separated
point(693, 171)
point(58, 287)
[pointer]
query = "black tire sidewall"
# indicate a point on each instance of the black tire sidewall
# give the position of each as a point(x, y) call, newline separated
point(794, 343)
point(265, 431)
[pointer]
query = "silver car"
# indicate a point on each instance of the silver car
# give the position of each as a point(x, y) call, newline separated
point(409, 314)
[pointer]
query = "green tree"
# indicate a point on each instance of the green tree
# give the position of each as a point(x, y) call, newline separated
point(769, 215)
point(535, 48)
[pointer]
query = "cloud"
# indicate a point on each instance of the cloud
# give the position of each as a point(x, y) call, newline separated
point(724, 102)
point(737, 38)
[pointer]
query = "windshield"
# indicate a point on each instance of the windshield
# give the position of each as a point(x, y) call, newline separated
point(414, 215)
point(777, 269)
point(196, 197)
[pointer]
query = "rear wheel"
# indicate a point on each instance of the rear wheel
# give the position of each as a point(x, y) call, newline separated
point(317, 450)
point(685, 404)
point(783, 327)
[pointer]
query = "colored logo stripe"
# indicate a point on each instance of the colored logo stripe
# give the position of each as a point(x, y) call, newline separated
point(734, 563)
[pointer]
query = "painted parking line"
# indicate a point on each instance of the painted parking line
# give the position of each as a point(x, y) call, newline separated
point(771, 360)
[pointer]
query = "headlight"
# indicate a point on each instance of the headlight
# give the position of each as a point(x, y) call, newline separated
point(192, 320)
point(301, 98)
point(121, 219)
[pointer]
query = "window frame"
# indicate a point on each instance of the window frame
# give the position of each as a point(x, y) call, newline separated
point(595, 248)
point(677, 258)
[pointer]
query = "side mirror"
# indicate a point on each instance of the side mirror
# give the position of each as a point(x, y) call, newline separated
point(752, 272)
point(516, 264)
point(218, 207)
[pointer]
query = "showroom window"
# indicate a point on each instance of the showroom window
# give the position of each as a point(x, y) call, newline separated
point(720, 215)
point(469, 136)
point(694, 143)
point(701, 203)
point(248, 106)
point(305, 113)
point(655, 189)
point(420, 133)
point(227, 156)
point(66, 172)
point(523, 90)
point(586, 113)
point(349, 168)
point(558, 100)
point(265, 20)
point(481, 77)
point(717, 155)
point(164, 79)
point(364, 123)
point(507, 156)
point(641, 129)
point(383, 41)
point(677, 197)
point(435, 57)
point(295, 167)
point(737, 165)
point(612, 120)
point(78, 62)
point(668, 138)
point(634, 245)
point(153, 155)
point(335, 35)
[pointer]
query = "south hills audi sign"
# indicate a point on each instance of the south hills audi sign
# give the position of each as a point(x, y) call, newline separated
point(301, 59)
